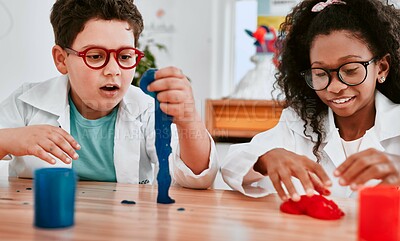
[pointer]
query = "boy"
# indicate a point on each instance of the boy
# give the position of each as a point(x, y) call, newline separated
point(94, 104)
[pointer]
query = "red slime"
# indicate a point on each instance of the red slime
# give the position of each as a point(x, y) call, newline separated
point(316, 206)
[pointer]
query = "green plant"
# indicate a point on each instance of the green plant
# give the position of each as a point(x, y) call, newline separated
point(148, 61)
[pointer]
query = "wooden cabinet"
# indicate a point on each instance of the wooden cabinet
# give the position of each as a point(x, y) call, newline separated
point(238, 118)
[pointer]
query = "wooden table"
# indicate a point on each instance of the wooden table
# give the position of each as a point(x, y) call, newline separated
point(208, 215)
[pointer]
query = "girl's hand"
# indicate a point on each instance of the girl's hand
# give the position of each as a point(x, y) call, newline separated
point(366, 165)
point(39, 141)
point(280, 165)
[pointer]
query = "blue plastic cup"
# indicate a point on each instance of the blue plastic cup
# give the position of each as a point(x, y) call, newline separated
point(54, 190)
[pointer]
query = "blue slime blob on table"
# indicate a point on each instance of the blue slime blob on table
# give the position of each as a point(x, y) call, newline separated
point(163, 140)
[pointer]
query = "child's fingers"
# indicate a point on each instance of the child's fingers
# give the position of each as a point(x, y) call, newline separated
point(344, 166)
point(287, 181)
point(69, 138)
point(170, 83)
point(174, 96)
point(348, 163)
point(361, 164)
point(304, 178)
point(56, 151)
point(65, 146)
point(39, 152)
point(164, 84)
point(172, 109)
point(169, 72)
point(320, 172)
point(169, 78)
point(276, 182)
point(181, 112)
point(318, 185)
point(392, 179)
point(378, 171)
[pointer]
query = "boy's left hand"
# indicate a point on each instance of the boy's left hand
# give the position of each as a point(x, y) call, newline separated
point(175, 94)
point(366, 165)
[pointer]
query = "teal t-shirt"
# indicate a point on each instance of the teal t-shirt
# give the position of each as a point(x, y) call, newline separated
point(96, 137)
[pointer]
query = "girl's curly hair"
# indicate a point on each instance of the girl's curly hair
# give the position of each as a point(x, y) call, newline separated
point(375, 23)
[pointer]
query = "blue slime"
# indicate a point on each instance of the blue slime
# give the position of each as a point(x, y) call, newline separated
point(163, 140)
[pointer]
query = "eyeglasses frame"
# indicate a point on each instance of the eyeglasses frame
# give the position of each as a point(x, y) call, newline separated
point(83, 53)
point(329, 71)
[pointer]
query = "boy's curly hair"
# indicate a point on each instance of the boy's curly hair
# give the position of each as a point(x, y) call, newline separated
point(375, 23)
point(68, 17)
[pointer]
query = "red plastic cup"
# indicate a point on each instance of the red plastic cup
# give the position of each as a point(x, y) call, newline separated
point(379, 214)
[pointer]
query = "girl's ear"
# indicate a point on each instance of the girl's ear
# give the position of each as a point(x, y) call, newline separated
point(59, 58)
point(384, 67)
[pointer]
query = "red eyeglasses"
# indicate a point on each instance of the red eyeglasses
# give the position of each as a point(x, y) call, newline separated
point(98, 57)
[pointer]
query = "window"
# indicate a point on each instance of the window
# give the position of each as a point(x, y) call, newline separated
point(246, 18)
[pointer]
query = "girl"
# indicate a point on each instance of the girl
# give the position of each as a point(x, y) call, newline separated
point(339, 74)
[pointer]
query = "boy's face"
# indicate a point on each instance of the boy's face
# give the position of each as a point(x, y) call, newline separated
point(96, 92)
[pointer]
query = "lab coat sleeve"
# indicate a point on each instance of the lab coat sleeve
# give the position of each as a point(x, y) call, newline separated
point(237, 169)
point(180, 173)
point(183, 175)
point(13, 112)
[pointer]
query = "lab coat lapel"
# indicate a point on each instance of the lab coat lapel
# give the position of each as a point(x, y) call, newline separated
point(129, 136)
point(387, 123)
point(371, 140)
point(127, 147)
point(50, 96)
point(334, 150)
point(64, 119)
point(333, 147)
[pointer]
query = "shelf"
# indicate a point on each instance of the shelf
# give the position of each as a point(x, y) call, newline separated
point(239, 118)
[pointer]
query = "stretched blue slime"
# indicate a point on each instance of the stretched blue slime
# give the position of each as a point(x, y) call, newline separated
point(163, 139)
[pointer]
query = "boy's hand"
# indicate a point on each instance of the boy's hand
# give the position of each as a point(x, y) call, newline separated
point(39, 141)
point(175, 94)
point(280, 165)
point(176, 99)
point(370, 164)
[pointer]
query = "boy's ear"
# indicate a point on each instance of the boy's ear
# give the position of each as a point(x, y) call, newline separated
point(59, 58)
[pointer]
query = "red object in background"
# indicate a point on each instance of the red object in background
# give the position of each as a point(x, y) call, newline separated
point(265, 38)
point(260, 33)
point(316, 206)
point(379, 214)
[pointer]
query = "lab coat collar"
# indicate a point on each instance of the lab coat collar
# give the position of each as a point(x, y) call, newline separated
point(384, 128)
point(387, 124)
point(52, 96)
point(134, 104)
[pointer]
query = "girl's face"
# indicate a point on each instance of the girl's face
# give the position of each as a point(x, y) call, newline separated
point(330, 52)
point(96, 92)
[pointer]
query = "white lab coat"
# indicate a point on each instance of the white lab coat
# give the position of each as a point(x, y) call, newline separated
point(135, 158)
point(237, 169)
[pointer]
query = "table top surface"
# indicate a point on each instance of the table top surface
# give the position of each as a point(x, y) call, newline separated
point(207, 215)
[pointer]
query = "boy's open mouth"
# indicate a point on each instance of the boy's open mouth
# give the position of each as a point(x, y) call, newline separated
point(109, 87)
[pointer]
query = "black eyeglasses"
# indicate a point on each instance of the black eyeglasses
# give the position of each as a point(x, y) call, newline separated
point(98, 57)
point(351, 74)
